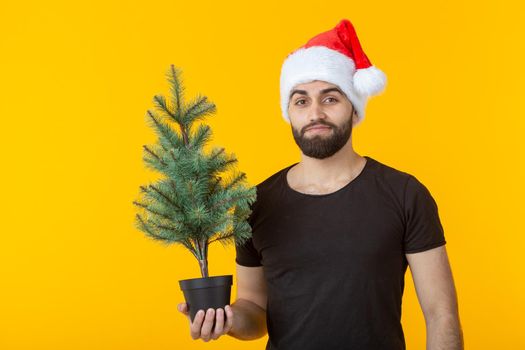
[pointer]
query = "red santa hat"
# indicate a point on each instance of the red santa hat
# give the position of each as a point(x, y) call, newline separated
point(334, 56)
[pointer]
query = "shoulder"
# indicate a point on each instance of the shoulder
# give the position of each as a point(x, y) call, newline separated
point(271, 187)
point(274, 181)
point(396, 183)
point(407, 187)
point(388, 175)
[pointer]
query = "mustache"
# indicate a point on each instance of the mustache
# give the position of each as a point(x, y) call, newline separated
point(316, 124)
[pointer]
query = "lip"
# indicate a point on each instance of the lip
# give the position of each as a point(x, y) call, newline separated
point(319, 127)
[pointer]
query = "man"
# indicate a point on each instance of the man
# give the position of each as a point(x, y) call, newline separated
point(334, 233)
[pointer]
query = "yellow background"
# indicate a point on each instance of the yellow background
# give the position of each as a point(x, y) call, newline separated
point(77, 79)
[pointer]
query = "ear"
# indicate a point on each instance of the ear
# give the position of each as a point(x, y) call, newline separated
point(354, 118)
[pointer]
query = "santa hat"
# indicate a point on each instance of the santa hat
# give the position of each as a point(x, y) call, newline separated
point(334, 56)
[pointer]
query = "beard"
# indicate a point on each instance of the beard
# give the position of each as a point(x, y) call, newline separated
point(320, 146)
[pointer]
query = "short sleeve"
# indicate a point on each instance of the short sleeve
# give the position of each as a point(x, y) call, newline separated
point(246, 254)
point(423, 229)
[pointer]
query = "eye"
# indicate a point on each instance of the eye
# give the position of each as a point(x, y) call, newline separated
point(332, 98)
point(299, 100)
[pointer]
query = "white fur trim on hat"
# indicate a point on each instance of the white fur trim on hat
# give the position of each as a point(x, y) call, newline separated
point(321, 63)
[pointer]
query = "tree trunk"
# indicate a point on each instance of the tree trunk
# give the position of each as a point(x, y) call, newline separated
point(204, 267)
point(203, 262)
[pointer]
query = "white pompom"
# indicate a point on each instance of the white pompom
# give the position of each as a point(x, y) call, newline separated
point(369, 81)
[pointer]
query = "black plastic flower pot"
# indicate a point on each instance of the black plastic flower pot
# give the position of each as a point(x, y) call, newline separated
point(208, 292)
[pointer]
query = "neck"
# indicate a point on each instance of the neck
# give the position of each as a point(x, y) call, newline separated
point(343, 165)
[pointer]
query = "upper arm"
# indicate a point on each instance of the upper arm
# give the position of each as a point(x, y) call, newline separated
point(433, 282)
point(251, 285)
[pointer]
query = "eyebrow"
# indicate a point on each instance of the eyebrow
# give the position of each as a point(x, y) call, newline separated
point(324, 91)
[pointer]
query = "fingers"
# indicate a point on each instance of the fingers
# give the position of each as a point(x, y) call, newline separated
point(195, 327)
point(219, 324)
point(223, 322)
point(203, 324)
point(207, 325)
point(229, 319)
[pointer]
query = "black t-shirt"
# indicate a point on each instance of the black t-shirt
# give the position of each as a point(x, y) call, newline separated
point(335, 263)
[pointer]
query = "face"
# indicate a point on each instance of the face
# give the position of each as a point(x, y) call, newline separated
point(321, 117)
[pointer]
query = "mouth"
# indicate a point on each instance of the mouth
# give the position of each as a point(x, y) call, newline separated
point(318, 128)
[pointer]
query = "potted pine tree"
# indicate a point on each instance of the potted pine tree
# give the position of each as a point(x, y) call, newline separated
point(200, 199)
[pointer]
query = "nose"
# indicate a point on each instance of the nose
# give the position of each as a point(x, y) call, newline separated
point(316, 111)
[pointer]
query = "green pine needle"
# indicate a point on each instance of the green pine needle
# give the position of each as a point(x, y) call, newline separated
point(201, 197)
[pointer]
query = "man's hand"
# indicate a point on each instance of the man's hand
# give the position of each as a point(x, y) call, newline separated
point(203, 323)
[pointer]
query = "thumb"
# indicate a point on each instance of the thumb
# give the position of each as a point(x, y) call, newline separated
point(183, 307)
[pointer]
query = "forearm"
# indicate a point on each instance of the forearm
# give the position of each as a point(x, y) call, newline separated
point(249, 320)
point(444, 333)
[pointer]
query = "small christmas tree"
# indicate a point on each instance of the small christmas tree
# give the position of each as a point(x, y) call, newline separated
point(202, 198)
